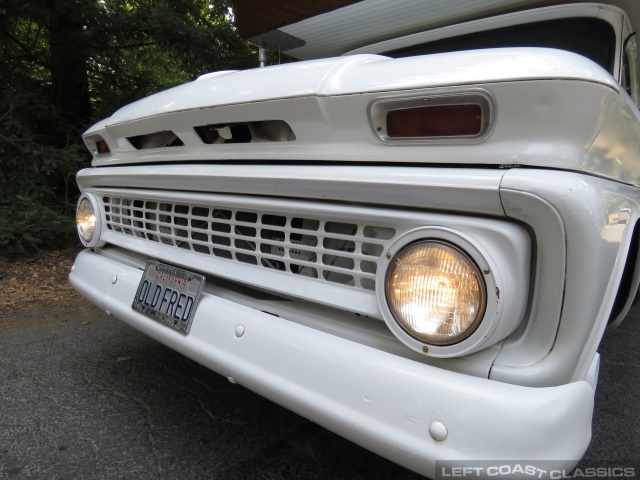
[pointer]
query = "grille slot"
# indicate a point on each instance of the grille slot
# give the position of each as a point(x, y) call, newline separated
point(155, 140)
point(342, 252)
point(249, 132)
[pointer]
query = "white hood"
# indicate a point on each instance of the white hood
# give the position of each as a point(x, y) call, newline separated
point(364, 74)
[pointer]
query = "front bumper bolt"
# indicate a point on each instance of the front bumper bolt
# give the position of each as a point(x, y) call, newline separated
point(239, 330)
point(438, 431)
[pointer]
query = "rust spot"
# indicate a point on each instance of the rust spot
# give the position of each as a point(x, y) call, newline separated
point(498, 293)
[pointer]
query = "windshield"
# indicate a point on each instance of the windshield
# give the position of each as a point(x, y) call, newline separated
point(592, 38)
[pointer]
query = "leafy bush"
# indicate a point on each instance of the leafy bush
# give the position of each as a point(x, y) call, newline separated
point(37, 178)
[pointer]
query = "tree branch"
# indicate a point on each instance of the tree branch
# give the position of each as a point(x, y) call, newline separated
point(124, 47)
point(28, 53)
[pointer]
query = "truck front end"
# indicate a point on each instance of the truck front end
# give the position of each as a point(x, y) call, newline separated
point(419, 254)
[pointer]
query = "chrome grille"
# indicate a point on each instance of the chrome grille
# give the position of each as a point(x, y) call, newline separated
point(344, 252)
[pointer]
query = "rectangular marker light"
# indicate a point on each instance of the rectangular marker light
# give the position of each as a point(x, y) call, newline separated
point(436, 121)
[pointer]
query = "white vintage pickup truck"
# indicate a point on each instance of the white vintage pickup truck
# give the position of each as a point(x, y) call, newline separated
point(417, 245)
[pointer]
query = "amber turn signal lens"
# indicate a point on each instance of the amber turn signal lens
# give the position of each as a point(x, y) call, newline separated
point(436, 121)
point(102, 147)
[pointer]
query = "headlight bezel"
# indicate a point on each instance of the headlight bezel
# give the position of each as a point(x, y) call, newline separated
point(487, 323)
point(96, 237)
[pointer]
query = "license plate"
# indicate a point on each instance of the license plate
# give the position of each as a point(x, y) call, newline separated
point(169, 295)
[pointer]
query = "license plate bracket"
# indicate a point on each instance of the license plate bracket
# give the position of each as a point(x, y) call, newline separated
point(169, 295)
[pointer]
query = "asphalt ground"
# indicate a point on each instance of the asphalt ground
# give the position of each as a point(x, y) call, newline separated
point(84, 396)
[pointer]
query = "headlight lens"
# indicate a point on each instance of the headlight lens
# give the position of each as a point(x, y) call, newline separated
point(86, 219)
point(435, 292)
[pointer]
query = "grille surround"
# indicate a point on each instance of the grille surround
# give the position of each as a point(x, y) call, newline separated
point(504, 240)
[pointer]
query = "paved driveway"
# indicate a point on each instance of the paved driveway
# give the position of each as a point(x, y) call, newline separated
point(85, 396)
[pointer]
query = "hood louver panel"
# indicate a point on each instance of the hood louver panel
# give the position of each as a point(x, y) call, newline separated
point(248, 132)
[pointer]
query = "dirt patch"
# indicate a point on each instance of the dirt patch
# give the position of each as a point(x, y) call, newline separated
point(36, 281)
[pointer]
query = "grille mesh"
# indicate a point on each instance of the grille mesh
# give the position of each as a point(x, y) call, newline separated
point(344, 252)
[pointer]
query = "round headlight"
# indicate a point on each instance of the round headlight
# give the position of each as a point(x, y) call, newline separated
point(435, 292)
point(86, 220)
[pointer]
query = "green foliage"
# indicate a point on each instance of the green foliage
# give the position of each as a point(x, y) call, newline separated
point(36, 177)
point(65, 64)
point(144, 46)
